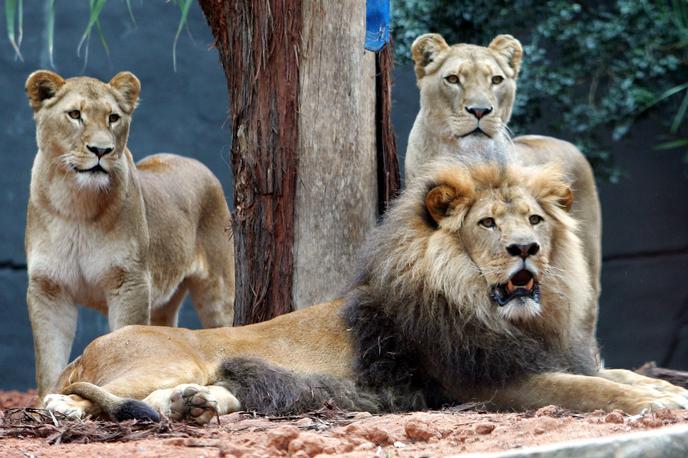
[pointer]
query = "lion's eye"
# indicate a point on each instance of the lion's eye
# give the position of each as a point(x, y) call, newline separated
point(487, 222)
point(74, 114)
point(113, 118)
point(535, 219)
point(452, 79)
point(497, 79)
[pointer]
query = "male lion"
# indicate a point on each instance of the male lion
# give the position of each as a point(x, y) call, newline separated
point(466, 96)
point(473, 288)
point(126, 239)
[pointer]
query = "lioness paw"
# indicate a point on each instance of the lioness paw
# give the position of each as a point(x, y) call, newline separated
point(65, 405)
point(194, 403)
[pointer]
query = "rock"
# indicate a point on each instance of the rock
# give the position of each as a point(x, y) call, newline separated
point(378, 436)
point(361, 415)
point(304, 422)
point(549, 411)
point(614, 417)
point(280, 438)
point(539, 430)
point(310, 446)
point(420, 431)
point(484, 428)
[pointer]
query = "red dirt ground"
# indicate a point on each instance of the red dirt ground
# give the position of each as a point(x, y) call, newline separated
point(32, 433)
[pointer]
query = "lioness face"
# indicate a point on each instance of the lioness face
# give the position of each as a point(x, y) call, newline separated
point(507, 229)
point(83, 124)
point(467, 91)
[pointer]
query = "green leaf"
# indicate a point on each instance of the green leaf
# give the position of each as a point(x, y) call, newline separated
point(11, 18)
point(131, 12)
point(20, 22)
point(51, 30)
point(184, 5)
point(95, 6)
point(680, 114)
point(681, 142)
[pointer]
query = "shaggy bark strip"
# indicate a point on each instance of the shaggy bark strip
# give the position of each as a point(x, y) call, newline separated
point(258, 42)
point(388, 180)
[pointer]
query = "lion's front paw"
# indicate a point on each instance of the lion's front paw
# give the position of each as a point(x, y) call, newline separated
point(192, 402)
point(68, 406)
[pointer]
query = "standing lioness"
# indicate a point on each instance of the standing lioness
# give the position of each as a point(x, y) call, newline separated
point(126, 239)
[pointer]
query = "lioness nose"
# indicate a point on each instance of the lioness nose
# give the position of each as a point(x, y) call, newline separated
point(98, 151)
point(525, 250)
point(478, 112)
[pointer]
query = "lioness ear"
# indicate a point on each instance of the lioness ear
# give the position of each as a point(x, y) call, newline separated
point(42, 85)
point(444, 198)
point(510, 48)
point(129, 87)
point(425, 49)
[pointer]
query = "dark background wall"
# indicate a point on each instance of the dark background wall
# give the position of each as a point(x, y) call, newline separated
point(645, 275)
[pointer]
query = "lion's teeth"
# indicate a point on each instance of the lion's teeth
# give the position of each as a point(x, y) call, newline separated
point(510, 286)
point(529, 286)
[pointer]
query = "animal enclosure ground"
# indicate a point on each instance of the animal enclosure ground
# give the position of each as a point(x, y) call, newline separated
point(26, 432)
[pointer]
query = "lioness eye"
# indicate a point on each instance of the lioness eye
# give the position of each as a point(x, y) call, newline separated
point(535, 219)
point(113, 118)
point(452, 79)
point(74, 114)
point(497, 79)
point(487, 222)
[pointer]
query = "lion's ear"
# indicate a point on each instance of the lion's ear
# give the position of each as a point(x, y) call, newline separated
point(42, 85)
point(129, 87)
point(566, 198)
point(510, 48)
point(443, 198)
point(425, 49)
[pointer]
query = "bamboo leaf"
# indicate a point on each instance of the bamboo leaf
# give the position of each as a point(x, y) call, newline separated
point(184, 5)
point(11, 18)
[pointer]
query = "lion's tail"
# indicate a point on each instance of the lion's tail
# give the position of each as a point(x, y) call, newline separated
point(115, 407)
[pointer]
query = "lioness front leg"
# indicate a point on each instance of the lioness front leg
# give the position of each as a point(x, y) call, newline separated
point(128, 297)
point(53, 322)
point(193, 402)
point(583, 393)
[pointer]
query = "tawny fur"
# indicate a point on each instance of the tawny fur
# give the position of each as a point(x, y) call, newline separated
point(128, 240)
point(418, 328)
point(443, 126)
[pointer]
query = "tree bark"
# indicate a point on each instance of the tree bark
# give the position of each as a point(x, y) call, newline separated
point(306, 146)
point(336, 198)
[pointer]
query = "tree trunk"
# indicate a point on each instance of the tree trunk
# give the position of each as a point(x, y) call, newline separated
point(303, 109)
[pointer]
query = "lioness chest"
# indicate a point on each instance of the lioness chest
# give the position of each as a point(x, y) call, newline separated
point(79, 257)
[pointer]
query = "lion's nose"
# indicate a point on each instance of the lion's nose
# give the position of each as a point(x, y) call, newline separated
point(99, 151)
point(523, 250)
point(478, 111)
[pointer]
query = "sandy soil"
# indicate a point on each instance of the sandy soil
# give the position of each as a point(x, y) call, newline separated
point(32, 433)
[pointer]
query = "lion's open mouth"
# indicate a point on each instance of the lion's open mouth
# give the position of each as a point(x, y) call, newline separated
point(95, 169)
point(521, 284)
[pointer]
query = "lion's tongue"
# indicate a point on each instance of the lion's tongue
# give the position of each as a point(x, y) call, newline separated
point(511, 287)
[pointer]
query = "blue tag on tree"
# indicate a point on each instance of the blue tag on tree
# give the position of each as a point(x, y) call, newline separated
point(377, 24)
